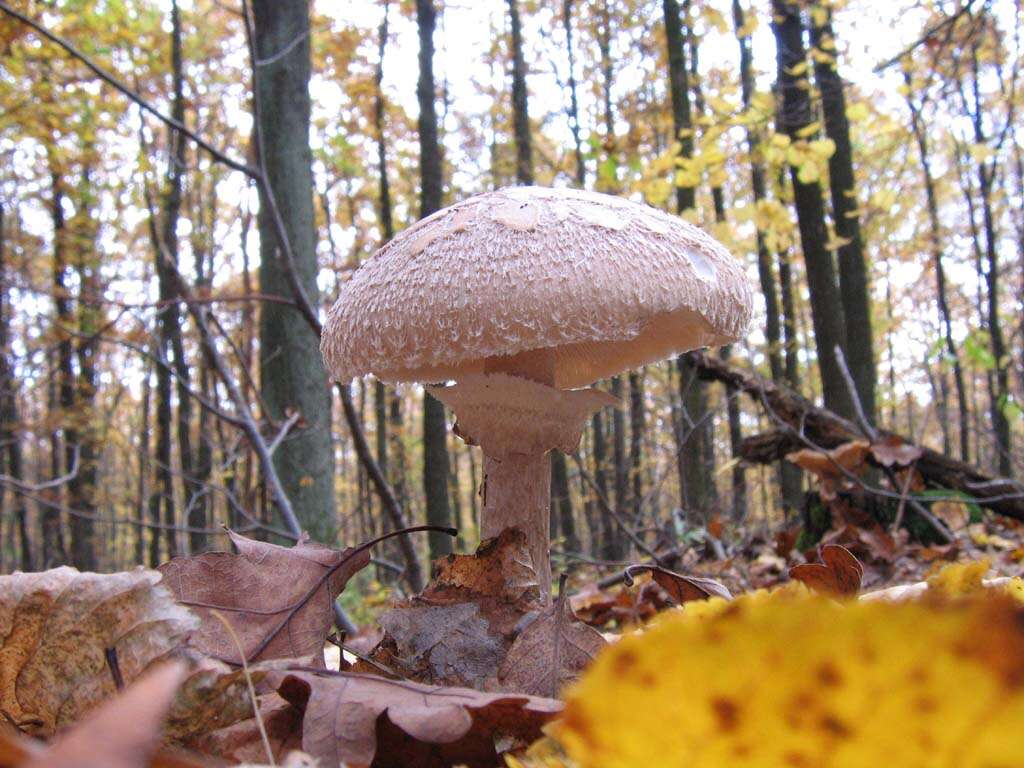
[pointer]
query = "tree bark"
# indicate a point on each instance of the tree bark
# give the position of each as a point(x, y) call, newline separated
point(10, 437)
point(765, 272)
point(435, 444)
point(935, 240)
point(574, 109)
point(793, 117)
point(520, 111)
point(854, 279)
point(292, 377)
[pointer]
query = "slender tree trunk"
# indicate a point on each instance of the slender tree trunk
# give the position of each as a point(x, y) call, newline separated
point(82, 415)
point(380, 395)
point(694, 446)
point(292, 376)
point(10, 437)
point(435, 443)
point(574, 109)
point(794, 117)
point(520, 111)
point(142, 482)
point(765, 272)
point(935, 240)
point(611, 540)
point(854, 279)
point(636, 443)
point(54, 552)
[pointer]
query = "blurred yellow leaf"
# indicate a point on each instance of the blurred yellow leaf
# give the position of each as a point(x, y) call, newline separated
point(805, 681)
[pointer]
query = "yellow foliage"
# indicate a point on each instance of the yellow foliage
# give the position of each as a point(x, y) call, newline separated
point(960, 579)
point(805, 681)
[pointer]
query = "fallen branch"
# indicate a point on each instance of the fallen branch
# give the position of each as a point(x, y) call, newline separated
point(799, 420)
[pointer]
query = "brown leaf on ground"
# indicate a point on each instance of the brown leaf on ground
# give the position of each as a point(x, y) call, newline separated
point(124, 732)
point(892, 450)
point(241, 741)
point(213, 696)
point(57, 627)
point(278, 599)
point(679, 587)
point(458, 630)
point(359, 720)
point(839, 574)
point(551, 651)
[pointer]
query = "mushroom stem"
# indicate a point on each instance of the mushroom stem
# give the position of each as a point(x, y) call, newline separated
point(517, 492)
point(516, 421)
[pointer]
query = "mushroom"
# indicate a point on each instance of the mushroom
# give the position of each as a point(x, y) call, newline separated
point(521, 297)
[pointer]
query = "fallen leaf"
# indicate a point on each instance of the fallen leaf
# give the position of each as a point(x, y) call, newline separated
point(212, 696)
point(240, 742)
point(357, 720)
point(458, 630)
point(57, 627)
point(892, 450)
point(681, 589)
point(807, 681)
point(838, 574)
point(551, 651)
point(831, 464)
point(279, 600)
point(124, 732)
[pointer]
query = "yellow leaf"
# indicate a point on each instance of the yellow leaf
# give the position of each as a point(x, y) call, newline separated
point(809, 130)
point(808, 172)
point(980, 152)
point(804, 681)
point(797, 69)
point(822, 148)
point(856, 112)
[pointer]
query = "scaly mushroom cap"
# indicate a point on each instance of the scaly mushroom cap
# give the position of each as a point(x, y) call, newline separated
point(601, 283)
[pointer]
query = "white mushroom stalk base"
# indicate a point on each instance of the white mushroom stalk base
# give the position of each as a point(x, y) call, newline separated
point(516, 422)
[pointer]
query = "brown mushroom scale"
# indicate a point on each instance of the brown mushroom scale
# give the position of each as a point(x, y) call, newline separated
point(519, 297)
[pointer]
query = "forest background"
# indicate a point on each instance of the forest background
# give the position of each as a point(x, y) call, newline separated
point(162, 290)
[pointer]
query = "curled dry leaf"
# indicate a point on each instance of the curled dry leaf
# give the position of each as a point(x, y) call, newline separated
point(56, 628)
point(551, 651)
point(892, 450)
point(833, 466)
point(359, 720)
point(278, 599)
point(838, 574)
point(458, 630)
point(680, 588)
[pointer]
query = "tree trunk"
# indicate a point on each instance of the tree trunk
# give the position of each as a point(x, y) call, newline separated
point(574, 109)
point(435, 444)
point(82, 415)
point(765, 272)
point(520, 111)
point(794, 116)
point(636, 443)
point(10, 420)
point(292, 377)
point(854, 280)
point(611, 541)
point(935, 240)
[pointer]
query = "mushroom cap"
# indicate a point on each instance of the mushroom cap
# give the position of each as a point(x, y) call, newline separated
point(597, 283)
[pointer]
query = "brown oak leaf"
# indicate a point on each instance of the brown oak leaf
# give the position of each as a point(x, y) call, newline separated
point(56, 629)
point(551, 651)
point(359, 720)
point(839, 574)
point(279, 600)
